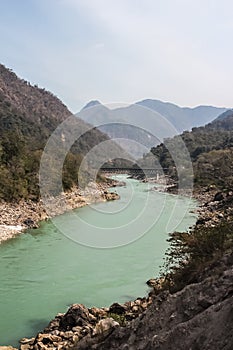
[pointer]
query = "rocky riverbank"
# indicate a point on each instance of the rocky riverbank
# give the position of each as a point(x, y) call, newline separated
point(17, 217)
point(215, 206)
point(197, 317)
point(78, 322)
point(155, 321)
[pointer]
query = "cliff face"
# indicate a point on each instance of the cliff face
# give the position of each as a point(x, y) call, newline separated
point(197, 317)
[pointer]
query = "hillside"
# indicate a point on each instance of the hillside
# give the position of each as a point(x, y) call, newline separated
point(210, 148)
point(28, 116)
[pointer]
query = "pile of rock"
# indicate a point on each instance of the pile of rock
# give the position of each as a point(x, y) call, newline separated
point(66, 330)
point(215, 207)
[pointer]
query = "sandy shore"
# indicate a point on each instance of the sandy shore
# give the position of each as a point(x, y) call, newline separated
point(17, 217)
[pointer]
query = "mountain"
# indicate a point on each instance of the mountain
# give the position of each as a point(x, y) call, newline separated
point(224, 121)
point(92, 104)
point(224, 115)
point(28, 116)
point(146, 123)
point(183, 118)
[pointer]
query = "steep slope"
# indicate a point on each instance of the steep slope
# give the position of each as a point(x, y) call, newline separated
point(28, 116)
point(224, 115)
point(197, 317)
point(210, 149)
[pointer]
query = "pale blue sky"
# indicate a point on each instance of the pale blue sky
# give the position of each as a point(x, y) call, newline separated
point(122, 50)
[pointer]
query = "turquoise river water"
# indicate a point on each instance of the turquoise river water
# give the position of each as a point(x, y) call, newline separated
point(105, 253)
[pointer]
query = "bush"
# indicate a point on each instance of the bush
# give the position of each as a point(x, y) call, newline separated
point(190, 252)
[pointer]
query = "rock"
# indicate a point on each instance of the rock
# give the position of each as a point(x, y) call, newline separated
point(77, 329)
point(77, 315)
point(68, 335)
point(75, 338)
point(105, 325)
point(151, 282)
point(25, 347)
point(27, 341)
point(7, 348)
point(197, 317)
point(29, 222)
point(117, 309)
point(218, 197)
point(135, 308)
point(110, 196)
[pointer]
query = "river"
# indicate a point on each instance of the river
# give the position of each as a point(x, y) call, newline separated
point(43, 271)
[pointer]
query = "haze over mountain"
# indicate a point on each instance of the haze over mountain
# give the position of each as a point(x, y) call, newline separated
point(183, 118)
point(140, 126)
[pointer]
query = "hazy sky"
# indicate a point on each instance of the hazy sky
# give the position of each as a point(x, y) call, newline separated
point(122, 50)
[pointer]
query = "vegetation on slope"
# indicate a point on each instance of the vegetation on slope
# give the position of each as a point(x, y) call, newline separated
point(210, 149)
point(191, 253)
point(28, 116)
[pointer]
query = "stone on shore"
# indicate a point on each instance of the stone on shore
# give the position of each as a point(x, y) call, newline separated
point(17, 217)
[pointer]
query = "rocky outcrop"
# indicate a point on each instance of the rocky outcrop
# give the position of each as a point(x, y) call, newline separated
point(197, 317)
point(66, 330)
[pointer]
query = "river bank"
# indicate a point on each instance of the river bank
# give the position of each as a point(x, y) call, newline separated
point(17, 217)
point(107, 328)
point(83, 324)
point(56, 272)
point(214, 204)
point(66, 329)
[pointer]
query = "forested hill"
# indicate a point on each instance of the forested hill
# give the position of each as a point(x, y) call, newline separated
point(28, 116)
point(211, 151)
point(34, 103)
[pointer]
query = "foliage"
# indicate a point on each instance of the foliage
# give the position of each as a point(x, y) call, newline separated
point(210, 149)
point(190, 252)
point(28, 116)
point(121, 319)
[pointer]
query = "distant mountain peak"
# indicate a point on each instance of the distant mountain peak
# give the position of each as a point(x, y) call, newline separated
point(92, 104)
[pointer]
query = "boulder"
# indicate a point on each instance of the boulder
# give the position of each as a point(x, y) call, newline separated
point(77, 315)
point(117, 309)
point(218, 197)
point(105, 325)
point(110, 196)
point(151, 282)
